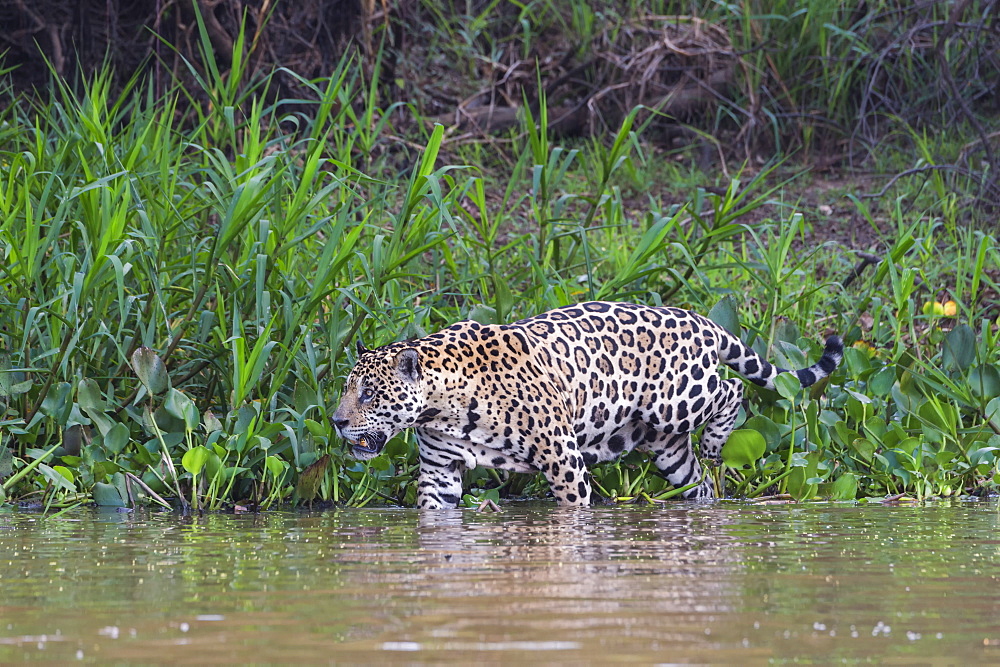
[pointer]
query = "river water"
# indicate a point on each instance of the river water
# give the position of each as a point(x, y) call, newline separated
point(688, 582)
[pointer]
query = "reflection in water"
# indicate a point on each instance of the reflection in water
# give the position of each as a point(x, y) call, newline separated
point(588, 555)
point(687, 582)
point(577, 573)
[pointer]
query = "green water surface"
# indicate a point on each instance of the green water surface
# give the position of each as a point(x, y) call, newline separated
point(706, 583)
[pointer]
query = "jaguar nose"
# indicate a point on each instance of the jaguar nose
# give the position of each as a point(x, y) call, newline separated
point(340, 423)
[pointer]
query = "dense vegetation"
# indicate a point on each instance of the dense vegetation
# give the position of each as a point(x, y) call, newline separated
point(182, 276)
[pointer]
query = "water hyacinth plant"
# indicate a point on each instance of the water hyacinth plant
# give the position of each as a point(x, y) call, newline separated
point(180, 293)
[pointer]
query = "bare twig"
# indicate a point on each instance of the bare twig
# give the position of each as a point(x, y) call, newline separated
point(152, 494)
point(488, 506)
point(866, 260)
point(929, 167)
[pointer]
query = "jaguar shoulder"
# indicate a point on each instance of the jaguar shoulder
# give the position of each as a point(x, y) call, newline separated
point(556, 393)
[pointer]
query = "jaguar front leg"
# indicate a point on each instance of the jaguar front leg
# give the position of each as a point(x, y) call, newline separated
point(439, 482)
point(439, 486)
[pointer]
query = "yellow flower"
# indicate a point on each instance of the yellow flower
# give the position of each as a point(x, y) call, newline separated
point(950, 309)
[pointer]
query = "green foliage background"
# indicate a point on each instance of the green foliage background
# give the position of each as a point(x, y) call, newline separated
point(178, 291)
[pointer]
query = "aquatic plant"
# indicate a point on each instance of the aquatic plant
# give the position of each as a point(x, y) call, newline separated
point(182, 279)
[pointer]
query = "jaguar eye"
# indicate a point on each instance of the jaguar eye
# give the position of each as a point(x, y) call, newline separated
point(367, 395)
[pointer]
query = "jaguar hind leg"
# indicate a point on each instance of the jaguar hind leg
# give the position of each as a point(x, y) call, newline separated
point(720, 424)
point(674, 456)
point(568, 479)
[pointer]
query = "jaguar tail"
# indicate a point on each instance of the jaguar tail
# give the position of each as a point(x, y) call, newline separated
point(758, 370)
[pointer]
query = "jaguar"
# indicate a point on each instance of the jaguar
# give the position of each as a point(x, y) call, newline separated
point(556, 393)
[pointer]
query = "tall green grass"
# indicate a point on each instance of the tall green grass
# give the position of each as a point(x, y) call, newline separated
point(221, 261)
point(179, 293)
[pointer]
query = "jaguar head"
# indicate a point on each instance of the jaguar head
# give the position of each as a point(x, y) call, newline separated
point(382, 396)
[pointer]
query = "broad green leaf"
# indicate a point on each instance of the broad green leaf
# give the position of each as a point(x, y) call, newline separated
point(67, 475)
point(178, 405)
point(396, 447)
point(791, 353)
point(787, 385)
point(857, 362)
point(150, 370)
point(880, 383)
point(857, 406)
point(275, 466)
point(843, 434)
point(983, 455)
point(167, 423)
point(107, 495)
point(103, 469)
point(244, 418)
point(907, 401)
point(304, 396)
point(147, 454)
point(58, 404)
point(786, 331)
point(724, 314)
point(195, 458)
point(744, 448)
point(6, 462)
point(958, 350)
point(478, 496)
point(845, 488)
point(89, 396)
point(118, 480)
point(504, 299)
point(316, 429)
point(213, 466)
point(212, 423)
point(116, 439)
point(802, 481)
point(909, 453)
point(857, 396)
point(875, 427)
point(984, 381)
point(101, 421)
point(942, 416)
point(7, 377)
point(21, 388)
point(483, 314)
point(993, 412)
point(12, 383)
point(767, 428)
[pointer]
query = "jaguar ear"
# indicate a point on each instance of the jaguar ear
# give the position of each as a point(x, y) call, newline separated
point(362, 350)
point(408, 364)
